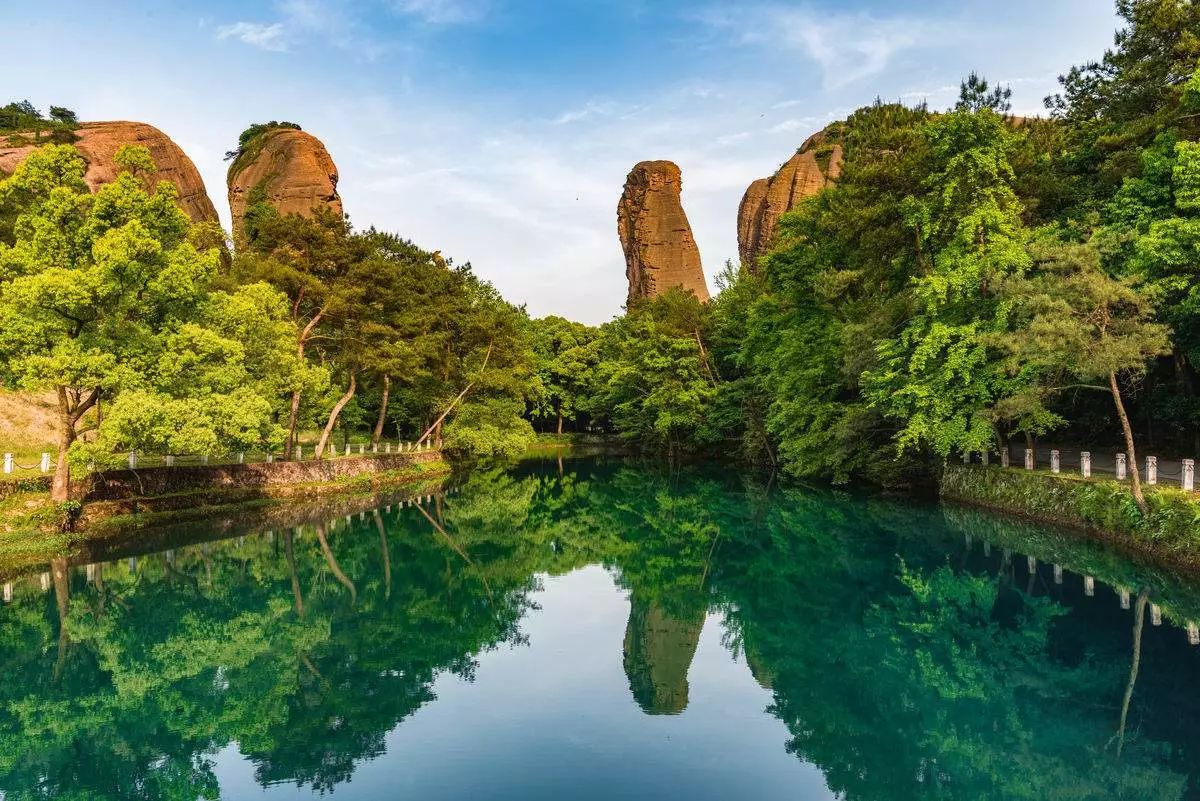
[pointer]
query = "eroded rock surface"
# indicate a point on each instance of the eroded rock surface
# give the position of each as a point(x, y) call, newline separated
point(817, 163)
point(97, 142)
point(660, 251)
point(289, 169)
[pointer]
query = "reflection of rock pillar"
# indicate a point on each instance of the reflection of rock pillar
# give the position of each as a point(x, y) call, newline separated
point(658, 652)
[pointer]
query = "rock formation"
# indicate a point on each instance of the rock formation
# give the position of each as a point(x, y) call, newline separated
point(286, 167)
point(817, 163)
point(660, 251)
point(97, 142)
point(659, 648)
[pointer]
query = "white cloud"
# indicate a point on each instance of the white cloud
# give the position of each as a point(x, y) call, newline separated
point(847, 47)
point(270, 37)
point(443, 12)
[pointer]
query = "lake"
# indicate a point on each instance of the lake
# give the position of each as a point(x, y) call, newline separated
point(595, 629)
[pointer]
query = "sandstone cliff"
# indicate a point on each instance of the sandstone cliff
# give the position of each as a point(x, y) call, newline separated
point(815, 165)
point(97, 142)
point(660, 251)
point(286, 167)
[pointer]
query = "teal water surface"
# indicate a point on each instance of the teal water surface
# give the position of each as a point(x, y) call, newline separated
point(600, 630)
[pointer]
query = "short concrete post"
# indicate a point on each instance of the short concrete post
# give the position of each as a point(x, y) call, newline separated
point(132, 563)
point(1089, 586)
point(1054, 462)
point(1085, 464)
point(45, 463)
point(1031, 564)
point(362, 448)
point(169, 460)
point(1188, 481)
point(987, 548)
point(1151, 469)
point(270, 458)
point(204, 459)
point(347, 448)
point(374, 447)
point(89, 572)
point(1193, 633)
point(8, 463)
point(1029, 458)
point(299, 453)
point(1058, 574)
point(1155, 615)
point(133, 460)
point(1004, 457)
point(985, 458)
point(387, 448)
point(966, 457)
point(8, 592)
point(1124, 596)
point(1120, 467)
point(241, 457)
point(45, 581)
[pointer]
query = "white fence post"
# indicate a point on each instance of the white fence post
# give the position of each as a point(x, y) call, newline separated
point(374, 447)
point(169, 460)
point(1085, 464)
point(985, 458)
point(966, 457)
point(204, 459)
point(1123, 594)
point(347, 448)
point(8, 592)
point(45, 463)
point(362, 448)
point(1151, 469)
point(1029, 458)
point(1189, 474)
point(1120, 467)
point(1193, 633)
point(1089, 586)
point(133, 460)
point(387, 448)
point(1058, 574)
point(1054, 462)
point(1004, 457)
point(8, 463)
point(270, 458)
point(241, 457)
point(1155, 615)
point(299, 453)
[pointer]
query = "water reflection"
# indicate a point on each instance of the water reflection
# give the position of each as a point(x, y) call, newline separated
point(910, 652)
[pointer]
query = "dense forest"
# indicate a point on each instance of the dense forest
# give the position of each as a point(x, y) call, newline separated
point(970, 278)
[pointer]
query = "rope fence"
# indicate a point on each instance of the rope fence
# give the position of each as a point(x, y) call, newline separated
point(137, 459)
point(1152, 469)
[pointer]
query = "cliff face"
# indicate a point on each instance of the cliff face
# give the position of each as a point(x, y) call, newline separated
point(817, 163)
point(660, 251)
point(97, 142)
point(289, 169)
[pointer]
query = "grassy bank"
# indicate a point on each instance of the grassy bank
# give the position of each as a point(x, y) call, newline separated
point(1168, 533)
point(32, 527)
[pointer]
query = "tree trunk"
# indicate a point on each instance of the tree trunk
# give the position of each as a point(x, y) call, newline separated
point(60, 487)
point(438, 423)
point(290, 447)
point(383, 404)
point(1139, 616)
point(387, 558)
point(60, 573)
point(558, 430)
point(331, 560)
point(1135, 483)
point(291, 560)
point(333, 415)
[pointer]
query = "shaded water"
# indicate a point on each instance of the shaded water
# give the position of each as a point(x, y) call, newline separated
point(600, 630)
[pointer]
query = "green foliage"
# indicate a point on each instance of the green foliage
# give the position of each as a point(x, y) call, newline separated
point(18, 118)
point(1168, 527)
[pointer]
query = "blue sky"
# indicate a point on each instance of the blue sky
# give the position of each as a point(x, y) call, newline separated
point(500, 131)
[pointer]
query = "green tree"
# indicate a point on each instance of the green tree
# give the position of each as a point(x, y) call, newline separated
point(1074, 324)
point(105, 296)
point(566, 361)
point(937, 378)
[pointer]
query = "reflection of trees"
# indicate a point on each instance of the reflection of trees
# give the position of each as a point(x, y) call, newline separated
point(898, 676)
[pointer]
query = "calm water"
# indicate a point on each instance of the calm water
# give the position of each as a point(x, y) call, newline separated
point(600, 631)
